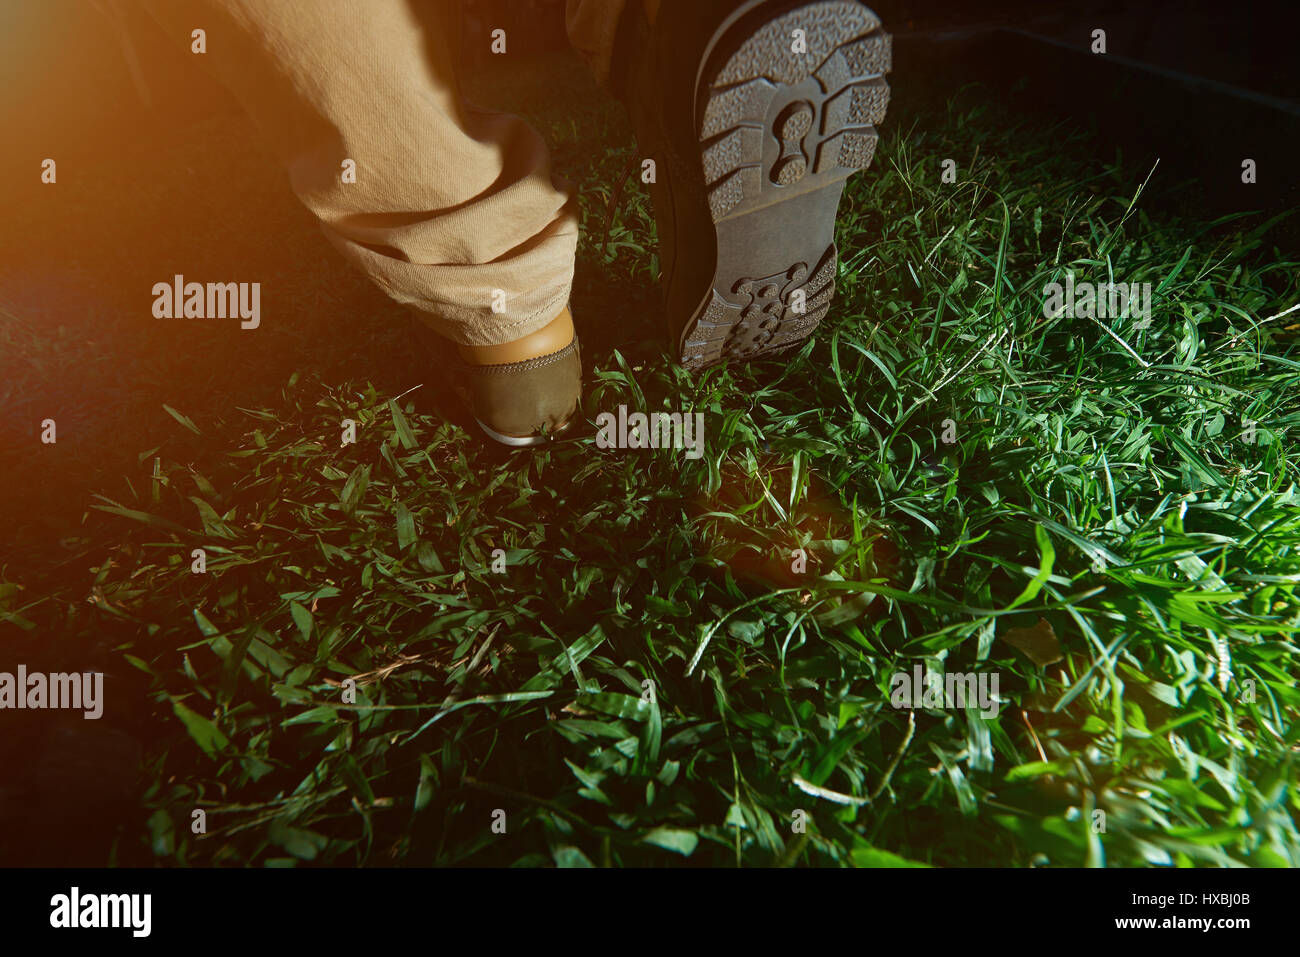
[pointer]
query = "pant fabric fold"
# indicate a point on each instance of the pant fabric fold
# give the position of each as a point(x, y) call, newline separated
point(451, 209)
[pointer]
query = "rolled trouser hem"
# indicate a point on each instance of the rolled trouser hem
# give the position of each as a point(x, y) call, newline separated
point(456, 301)
point(483, 330)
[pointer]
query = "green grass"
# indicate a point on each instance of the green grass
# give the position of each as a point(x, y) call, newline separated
point(1100, 480)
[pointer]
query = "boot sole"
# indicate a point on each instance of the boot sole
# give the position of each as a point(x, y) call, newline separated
point(779, 133)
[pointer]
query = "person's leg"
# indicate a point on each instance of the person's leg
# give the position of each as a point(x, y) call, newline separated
point(448, 208)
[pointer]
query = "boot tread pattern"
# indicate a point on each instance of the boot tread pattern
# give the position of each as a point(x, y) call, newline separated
point(790, 111)
point(761, 314)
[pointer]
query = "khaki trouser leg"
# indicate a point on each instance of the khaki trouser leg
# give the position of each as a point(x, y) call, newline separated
point(453, 207)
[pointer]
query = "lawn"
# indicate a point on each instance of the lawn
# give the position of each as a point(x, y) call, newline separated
point(414, 649)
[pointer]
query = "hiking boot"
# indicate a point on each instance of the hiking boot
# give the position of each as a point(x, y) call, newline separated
point(524, 403)
point(755, 114)
point(519, 393)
